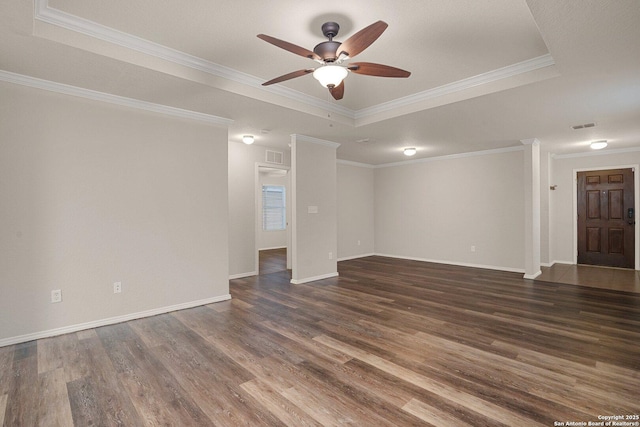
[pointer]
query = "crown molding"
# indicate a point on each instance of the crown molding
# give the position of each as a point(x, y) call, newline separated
point(357, 164)
point(451, 156)
point(62, 88)
point(461, 85)
point(44, 13)
point(595, 153)
point(313, 140)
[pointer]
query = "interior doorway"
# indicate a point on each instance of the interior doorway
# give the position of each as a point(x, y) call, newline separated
point(272, 261)
point(606, 218)
point(272, 219)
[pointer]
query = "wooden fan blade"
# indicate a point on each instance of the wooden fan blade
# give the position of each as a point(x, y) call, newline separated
point(288, 76)
point(379, 70)
point(290, 47)
point(362, 39)
point(338, 91)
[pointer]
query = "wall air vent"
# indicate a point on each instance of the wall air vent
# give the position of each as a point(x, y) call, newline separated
point(276, 157)
point(584, 126)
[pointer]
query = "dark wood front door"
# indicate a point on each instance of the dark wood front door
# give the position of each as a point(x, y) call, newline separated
point(606, 221)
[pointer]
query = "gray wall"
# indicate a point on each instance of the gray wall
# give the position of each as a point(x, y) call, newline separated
point(93, 194)
point(313, 183)
point(436, 210)
point(355, 210)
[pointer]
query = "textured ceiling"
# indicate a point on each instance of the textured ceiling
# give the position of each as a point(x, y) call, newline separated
point(485, 75)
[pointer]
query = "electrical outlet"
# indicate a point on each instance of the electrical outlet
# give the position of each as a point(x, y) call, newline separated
point(117, 287)
point(330, 255)
point(56, 296)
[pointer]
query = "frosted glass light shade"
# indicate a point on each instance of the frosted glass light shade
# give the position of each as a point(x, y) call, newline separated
point(410, 151)
point(330, 75)
point(598, 145)
point(248, 139)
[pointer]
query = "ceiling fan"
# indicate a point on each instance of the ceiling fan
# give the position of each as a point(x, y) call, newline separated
point(331, 54)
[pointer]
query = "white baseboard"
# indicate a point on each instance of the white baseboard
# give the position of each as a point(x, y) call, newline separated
point(110, 321)
point(241, 275)
point(347, 258)
point(532, 276)
point(459, 264)
point(313, 279)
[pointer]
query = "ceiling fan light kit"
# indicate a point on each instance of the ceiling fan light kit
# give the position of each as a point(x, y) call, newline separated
point(331, 54)
point(330, 75)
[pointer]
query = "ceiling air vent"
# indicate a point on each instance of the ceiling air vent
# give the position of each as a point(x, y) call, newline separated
point(276, 157)
point(584, 126)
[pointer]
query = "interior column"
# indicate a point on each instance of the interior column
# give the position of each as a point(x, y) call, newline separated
point(532, 208)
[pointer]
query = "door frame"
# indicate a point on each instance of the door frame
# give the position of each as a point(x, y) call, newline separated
point(258, 214)
point(636, 202)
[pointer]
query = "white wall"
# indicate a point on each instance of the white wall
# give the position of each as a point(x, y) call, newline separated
point(562, 199)
point(94, 193)
point(275, 238)
point(313, 184)
point(355, 210)
point(436, 210)
point(242, 205)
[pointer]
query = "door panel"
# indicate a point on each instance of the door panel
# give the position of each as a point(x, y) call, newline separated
point(606, 236)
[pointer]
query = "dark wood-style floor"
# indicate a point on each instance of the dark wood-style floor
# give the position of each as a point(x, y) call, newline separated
point(596, 277)
point(272, 260)
point(387, 343)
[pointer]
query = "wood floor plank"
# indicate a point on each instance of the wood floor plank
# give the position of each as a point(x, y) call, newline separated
point(431, 415)
point(275, 403)
point(3, 407)
point(54, 408)
point(23, 387)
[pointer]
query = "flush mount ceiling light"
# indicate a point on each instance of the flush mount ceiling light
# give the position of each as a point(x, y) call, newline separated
point(410, 151)
point(598, 145)
point(248, 139)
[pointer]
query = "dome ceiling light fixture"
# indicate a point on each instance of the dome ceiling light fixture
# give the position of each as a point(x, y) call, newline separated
point(248, 139)
point(598, 145)
point(410, 151)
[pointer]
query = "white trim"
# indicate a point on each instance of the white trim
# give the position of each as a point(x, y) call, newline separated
point(460, 85)
point(313, 140)
point(110, 321)
point(460, 264)
point(313, 279)
point(242, 275)
point(530, 141)
point(452, 156)
point(355, 257)
point(636, 207)
point(595, 153)
point(350, 163)
point(275, 247)
point(552, 263)
point(532, 276)
point(93, 95)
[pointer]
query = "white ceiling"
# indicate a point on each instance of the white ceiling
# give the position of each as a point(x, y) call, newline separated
point(485, 75)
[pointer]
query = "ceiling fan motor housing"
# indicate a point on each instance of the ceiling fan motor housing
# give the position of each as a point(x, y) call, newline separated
point(327, 50)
